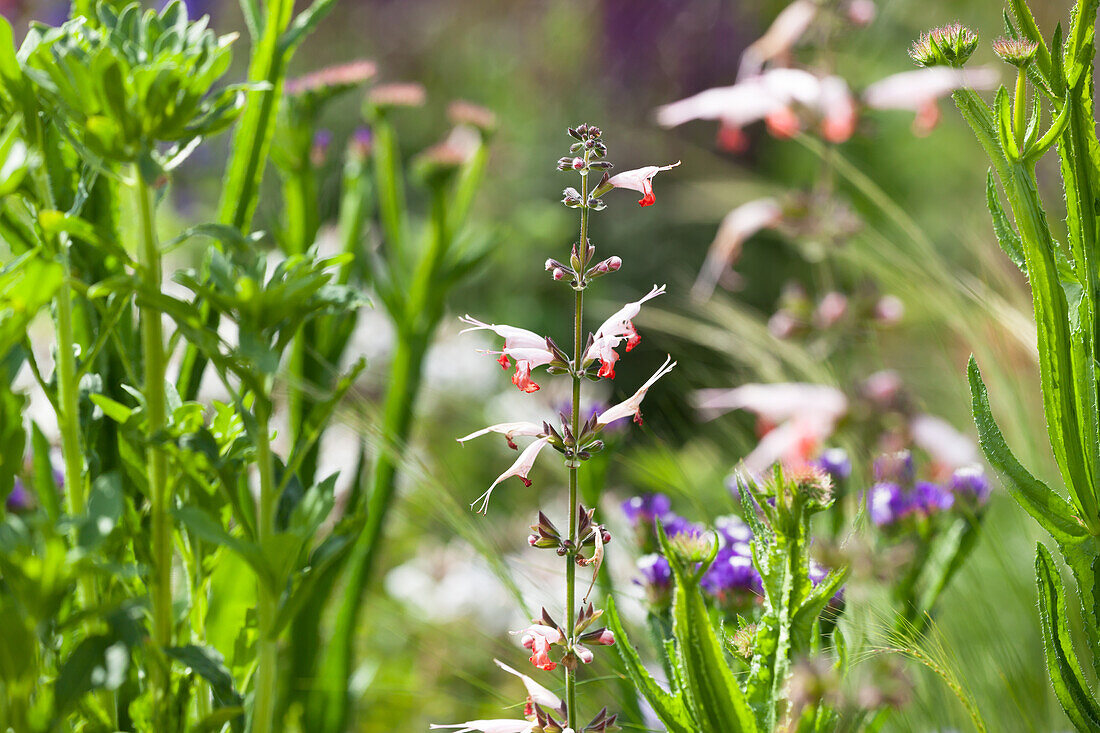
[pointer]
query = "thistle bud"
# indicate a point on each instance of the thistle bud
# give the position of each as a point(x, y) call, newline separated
point(951, 44)
point(1016, 51)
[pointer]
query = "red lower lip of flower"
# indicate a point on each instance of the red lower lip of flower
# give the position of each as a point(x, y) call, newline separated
point(607, 370)
point(503, 361)
point(648, 200)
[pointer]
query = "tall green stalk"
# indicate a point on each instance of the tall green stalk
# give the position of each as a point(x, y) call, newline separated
point(152, 342)
point(574, 463)
point(267, 648)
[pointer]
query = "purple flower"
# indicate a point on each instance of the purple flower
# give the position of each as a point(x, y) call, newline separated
point(836, 463)
point(646, 508)
point(887, 503)
point(970, 486)
point(931, 498)
point(733, 530)
point(732, 578)
point(19, 500)
point(655, 570)
point(677, 525)
point(895, 467)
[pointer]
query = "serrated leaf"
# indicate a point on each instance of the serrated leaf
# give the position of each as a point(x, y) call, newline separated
point(670, 708)
point(1002, 227)
point(1065, 672)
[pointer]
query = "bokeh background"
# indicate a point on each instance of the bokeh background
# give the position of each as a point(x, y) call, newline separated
point(454, 582)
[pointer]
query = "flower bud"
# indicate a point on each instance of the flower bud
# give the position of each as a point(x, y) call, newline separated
point(602, 636)
point(1016, 51)
point(578, 163)
point(582, 130)
point(558, 273)
point(574, 134)
point(949, 45)
point(565, 164)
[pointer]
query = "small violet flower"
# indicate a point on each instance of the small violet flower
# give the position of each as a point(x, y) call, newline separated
point(887, 503)
point(836, 463)
point(646, 508)
point(931, 498)
point(970, 486)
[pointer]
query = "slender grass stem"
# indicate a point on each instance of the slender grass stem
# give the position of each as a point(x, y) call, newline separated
point(152, 342)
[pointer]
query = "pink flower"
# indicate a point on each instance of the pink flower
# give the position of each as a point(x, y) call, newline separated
point(509, 430)
point(781, 36)
point(520, 468)
point(774, 96)
point(497, 725)
point(583, 653)
point(736, 228)
point(633, 406)
point(526, 347)
point(614, 330)
point(831, 309)
point(806, 415)
point(538, 638)
point(640, 180)
point(919, 90)
point(536, 693)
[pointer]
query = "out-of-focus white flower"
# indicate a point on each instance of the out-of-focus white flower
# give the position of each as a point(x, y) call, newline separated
point(520, 468)
point(633, 405)
point(640, 180)
point(882, 387)
point(618, 327)
point(509, 430)
point(805, 415)
point(889, 310)
point(497, 725)
point(781, 36)
point(861, 12)
point(527, 347)
point(772, 96)
point(736, 228)
point(948, 448)
point(920, 90)
point(536, 693)
point(831, 309)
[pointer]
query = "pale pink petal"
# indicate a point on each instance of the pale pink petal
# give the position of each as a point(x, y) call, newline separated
point(775, 403)
point(780, 38)
point(633, 405)
point(520, 468)
point(538, 694)
point(794, 442)
point(513, 337)
point(838, 110)
point(912, 90)
point(497, 725)
point(738, 225)
point(508, 429)
point(618, 323)
point(640, 180)
point(939, 439)
point(532, 354)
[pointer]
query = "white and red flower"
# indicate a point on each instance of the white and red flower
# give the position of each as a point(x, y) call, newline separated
point(528, 348)
point(509, 430)
point(539, 638)
point(919, 91)
point(536, 693)
point(617, 328)
point(496, 725)
point(640, 180)
point(633, 405)
point(520, 468)
point(796, 419)
point(736, 228)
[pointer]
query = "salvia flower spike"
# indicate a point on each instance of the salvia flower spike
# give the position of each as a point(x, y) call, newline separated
point(576, 439)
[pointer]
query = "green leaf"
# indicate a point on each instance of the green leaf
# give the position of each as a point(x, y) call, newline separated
point(712, 689)
point(1051, 511)
point(45, 486)
point(210, 530)
point(104, 510)
point(117, 411)
point(27, 284)
point(1002, 227)
point(1065, 672)
point(669, 708)
point(209, 664)
point(1030, 30)
point(306, 22)
point(97, 662)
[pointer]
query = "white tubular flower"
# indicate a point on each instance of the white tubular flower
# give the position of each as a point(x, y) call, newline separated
point(520, 468)
point(509, 430)
point(535, 692)
point(497, 725)
point(640, 180)
point(736, 228)
point(633, 406)
point(614, 330)
point(919, 91)
point(780, 38)
point(527, 348)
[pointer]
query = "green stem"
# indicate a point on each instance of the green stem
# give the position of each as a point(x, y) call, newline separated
point(267, 655)
point(574, 464)
point(1019, 104)
point(152, 342)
